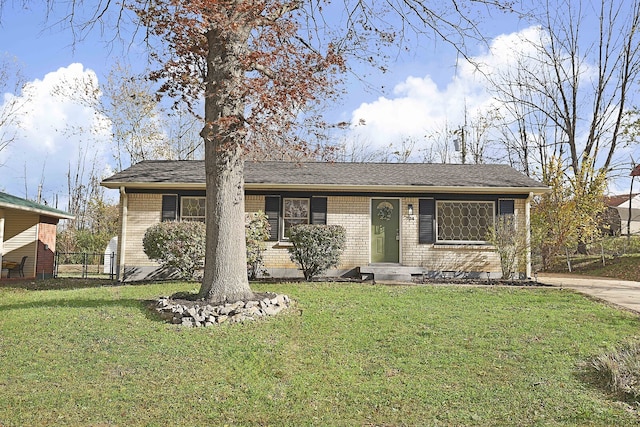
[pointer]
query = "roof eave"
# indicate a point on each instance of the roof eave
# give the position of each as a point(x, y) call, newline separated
point(115, 185)
point(333, 188)
point(398, 188)
point(44, 212)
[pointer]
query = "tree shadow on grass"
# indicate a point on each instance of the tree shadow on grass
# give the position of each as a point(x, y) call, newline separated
point(74, 303)
point(73, 283)
point(143, 306)
point(55, 284)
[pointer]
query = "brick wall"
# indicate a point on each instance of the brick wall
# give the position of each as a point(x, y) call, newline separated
point(352, 212)
point(144, 210)
point(46, 246)
point(475, 258)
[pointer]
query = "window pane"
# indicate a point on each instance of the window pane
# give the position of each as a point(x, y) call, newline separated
point(296, 208)
point(464, 221)
point(295, 211)
point(193, 208)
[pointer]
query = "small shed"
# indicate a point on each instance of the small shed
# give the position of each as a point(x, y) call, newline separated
point(28, 229)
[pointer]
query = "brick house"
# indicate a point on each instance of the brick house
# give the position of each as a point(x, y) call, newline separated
point(401, 219)
point(28, 229)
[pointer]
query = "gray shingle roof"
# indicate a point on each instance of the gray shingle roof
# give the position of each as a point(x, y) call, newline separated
point(332, 175)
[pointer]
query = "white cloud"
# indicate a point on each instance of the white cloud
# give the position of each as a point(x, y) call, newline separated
point(55, 130)
point(420, 107)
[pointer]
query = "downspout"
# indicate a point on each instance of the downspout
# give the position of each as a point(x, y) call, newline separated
point(527, 220)
point(124, 205)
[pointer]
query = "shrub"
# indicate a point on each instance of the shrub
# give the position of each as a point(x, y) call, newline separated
point(510, 243)
point(316, 248)
point(180, 245)
point(620, 369)
point(257, 230)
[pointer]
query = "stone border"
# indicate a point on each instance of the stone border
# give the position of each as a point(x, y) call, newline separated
point(198, 314)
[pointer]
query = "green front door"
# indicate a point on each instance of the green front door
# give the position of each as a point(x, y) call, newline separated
point(385, 230)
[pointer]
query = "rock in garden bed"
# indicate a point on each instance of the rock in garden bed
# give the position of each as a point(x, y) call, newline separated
point(197, 313)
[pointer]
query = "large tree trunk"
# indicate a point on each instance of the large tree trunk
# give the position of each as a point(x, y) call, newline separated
point(225, 271)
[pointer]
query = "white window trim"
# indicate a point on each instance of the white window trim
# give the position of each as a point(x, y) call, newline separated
point(462, 242)
point(282, 236)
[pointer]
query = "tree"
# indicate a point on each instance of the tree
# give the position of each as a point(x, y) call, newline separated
point(566, 91)
point(136, 118)
point(11, 81)
point(143, 127)
point(569, 214)
point(264, 67)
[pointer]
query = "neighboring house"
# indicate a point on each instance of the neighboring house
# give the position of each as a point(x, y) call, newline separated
point(28, 229)
point(621, 204)
point(400, 219)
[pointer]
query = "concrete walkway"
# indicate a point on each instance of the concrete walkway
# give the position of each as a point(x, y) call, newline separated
point(619, 292)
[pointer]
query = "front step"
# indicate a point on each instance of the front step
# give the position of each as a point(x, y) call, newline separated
point(391, 277)
point(391, 272)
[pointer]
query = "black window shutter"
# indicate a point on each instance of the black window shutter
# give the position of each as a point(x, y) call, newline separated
point(272, 210)
point(426, 214)
point(169, 207)
point(319, 210)
point(506, 207)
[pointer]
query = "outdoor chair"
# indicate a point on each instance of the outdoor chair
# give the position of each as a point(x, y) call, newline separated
point(19, 268)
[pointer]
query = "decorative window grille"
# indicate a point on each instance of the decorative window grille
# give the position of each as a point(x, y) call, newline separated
point(193, 209)
point(464, 222)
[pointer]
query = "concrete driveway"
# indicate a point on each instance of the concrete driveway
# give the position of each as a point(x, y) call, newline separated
point(619, 292)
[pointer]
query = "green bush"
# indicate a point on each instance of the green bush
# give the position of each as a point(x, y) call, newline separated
point(180, 245)
point(620, 369)
point(316, 248)
point(257, 230)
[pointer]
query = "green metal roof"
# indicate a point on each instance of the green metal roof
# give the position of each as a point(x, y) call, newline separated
point(13, 202)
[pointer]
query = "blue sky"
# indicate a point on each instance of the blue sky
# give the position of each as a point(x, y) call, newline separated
point(423, 86)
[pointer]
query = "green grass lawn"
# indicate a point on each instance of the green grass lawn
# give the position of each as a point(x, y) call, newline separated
point(345, 354)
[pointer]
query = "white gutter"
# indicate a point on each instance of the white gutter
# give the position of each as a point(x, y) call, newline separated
point(338, 188)
point(155, 185)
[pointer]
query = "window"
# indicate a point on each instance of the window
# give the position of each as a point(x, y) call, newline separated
point(461, 221)
point(169, 207)
point(192, 208)
point(294, 212)
point(285, 212)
